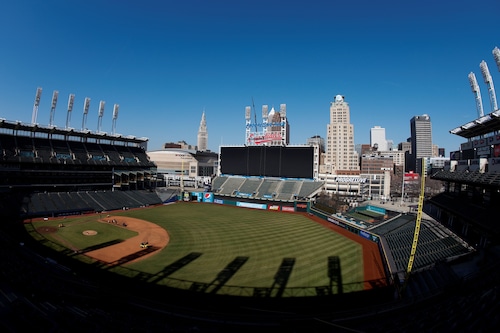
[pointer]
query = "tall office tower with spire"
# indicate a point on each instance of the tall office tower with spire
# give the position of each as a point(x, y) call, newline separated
point(203, 134)
point(341, 157)
point(421, 141)
point(377, 138)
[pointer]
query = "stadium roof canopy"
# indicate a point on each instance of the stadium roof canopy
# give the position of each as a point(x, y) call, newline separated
point(481, 126)
point(19, 127)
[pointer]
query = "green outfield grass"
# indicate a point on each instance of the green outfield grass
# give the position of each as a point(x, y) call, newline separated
point(218, 234)
point(73, 230)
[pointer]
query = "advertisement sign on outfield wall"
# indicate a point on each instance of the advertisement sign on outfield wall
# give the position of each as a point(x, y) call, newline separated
point(302, 206)
point(208, 197)
point(251, 205)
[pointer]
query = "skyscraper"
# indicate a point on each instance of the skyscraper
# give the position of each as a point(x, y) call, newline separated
point(377, 138)
point(203, 134)
point(341, 157)
point(421, 140)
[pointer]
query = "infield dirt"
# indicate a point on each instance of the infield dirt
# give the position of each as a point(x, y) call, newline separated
point(151, 233)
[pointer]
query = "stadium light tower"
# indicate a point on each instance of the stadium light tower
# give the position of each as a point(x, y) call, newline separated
point(71, 99)
point(496, 56)
point(115, 116)
point(86, 106)
point(101, 113)
point(35, 105)
point(489, 81)
point(477, 94)
point(53, 107)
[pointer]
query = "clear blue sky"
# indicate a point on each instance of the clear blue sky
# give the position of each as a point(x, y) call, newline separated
point(164, 62)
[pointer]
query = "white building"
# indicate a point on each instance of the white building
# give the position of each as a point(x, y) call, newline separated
point(377, 138)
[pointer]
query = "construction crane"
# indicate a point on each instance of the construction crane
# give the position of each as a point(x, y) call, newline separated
point(255, 116)
point(417, 224)
point(477, 94)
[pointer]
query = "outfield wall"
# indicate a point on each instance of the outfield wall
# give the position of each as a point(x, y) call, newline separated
point(210, 197)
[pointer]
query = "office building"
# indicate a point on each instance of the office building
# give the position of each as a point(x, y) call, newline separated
point(421, 141)
point(341, 157)
point(377, 138)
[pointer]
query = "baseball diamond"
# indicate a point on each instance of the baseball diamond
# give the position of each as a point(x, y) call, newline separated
point(219, 234)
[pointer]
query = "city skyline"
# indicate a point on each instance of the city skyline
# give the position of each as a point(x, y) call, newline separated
point(167, 63)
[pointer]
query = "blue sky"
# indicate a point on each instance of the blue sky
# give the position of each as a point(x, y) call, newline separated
point(164, 62)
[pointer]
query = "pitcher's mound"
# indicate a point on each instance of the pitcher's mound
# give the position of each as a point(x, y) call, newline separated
point(89, 232)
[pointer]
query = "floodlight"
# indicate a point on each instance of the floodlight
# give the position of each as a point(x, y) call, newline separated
point(101, 108)
point(86, 105)
point(496, 56)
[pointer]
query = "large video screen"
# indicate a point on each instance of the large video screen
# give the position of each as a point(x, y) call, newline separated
point(267, 161)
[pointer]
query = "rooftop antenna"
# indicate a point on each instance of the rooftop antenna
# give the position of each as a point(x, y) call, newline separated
point(115, 116)
point(489, 81)
point(86, 106)
point(496, 56)
point(53, 107)
point(71, 99)
point(101, 113)
point(477, 94)
point(35, 105)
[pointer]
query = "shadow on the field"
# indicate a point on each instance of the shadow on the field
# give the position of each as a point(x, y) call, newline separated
point(175, 266)
point(102, 245)
point(280, 280)
point(335, 274)
point(133, 256)
point(221, 278)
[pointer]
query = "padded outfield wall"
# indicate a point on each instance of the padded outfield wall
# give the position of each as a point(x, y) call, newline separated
point(210, 197)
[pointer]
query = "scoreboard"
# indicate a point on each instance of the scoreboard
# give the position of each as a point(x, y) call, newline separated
point(268, 161)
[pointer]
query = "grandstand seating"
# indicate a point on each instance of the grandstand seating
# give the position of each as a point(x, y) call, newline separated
point(79, 152)
point(231, 185)
point(308, 188)
point(268, 188)
point(435, 244)
point(73, 164)
point(9, 148)
point(45, 152)
point(265, 188)
point(250, 186)
point(217, 183)
point(58, 151)
point(288, 190)
point(63, 203)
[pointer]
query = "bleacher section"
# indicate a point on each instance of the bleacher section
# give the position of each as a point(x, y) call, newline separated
point(308, 188)
point(268, 188)
point(231, 186)
point(263, 188)
point(217, 183)
point(250, 186)
point(288, 190)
